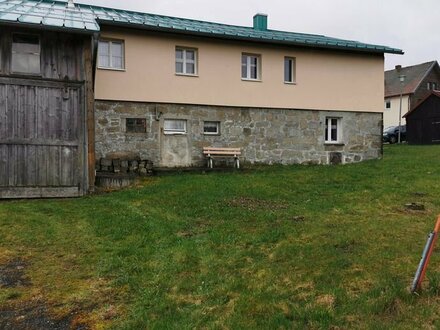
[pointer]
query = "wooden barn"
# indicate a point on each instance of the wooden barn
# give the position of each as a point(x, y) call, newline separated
point(46, 101)
point(423, 122)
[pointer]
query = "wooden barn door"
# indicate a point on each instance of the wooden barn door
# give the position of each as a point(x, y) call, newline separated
point(41, 139)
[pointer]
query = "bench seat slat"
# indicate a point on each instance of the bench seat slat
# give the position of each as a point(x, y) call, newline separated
point(221, 149)
point(221, 153)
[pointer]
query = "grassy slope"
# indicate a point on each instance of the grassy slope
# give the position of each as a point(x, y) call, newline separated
point(226, 250)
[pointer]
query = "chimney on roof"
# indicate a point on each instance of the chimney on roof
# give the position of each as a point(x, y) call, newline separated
point(398, 67)
point(260, 22)
point(70, 4)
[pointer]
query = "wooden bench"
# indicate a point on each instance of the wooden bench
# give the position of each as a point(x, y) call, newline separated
point(212, 152)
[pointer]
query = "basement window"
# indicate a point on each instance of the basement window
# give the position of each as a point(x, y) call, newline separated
point(111, 55)
point(211, 128)
point(25, 54)
point(174, 126)
point(135, 125)
point(333, 130)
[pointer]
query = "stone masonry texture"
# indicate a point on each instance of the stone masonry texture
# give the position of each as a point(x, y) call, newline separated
point(269, 136)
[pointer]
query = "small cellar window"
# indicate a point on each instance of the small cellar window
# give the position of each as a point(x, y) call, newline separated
point(136, 125)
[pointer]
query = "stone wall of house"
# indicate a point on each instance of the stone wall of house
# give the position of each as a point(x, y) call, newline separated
point(265, 135)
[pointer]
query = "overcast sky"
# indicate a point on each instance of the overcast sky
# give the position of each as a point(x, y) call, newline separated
point(411, 25)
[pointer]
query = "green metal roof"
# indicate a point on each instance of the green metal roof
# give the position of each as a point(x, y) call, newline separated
point(87, 18)
point(50, 14)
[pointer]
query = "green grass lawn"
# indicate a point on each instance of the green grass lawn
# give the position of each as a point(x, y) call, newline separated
point(275, 247)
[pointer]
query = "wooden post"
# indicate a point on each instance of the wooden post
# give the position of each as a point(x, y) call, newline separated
point(90, 116)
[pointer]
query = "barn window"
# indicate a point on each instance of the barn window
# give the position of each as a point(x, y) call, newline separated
point(111, 55)
point(25, 54)
point(135, 125)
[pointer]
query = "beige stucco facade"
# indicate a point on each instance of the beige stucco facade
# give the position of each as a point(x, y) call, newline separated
point(391, 115)
point(325, 80)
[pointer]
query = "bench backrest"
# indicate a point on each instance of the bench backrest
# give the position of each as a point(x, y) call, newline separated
point(221, 151)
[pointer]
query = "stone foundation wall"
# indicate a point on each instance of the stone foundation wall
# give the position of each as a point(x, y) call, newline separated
point(265, 135)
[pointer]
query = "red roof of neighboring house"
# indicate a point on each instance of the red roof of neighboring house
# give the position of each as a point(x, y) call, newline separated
point(414, 76)
point(435, 93)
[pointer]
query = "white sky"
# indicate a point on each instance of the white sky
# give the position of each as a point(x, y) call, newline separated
point(410, 25)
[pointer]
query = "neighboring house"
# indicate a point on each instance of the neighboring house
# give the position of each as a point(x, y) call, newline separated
point(423, 122)
point(419, 81)
point(165, 87)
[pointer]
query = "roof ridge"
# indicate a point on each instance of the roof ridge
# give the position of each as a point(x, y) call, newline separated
point(81, 4)
point(90, 17)
point(411, 66)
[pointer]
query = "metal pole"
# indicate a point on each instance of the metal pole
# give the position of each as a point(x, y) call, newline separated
point(400, 111)
point(402, 79)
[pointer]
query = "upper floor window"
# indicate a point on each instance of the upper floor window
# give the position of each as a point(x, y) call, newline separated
point(186, 61)
point(25, 54)
point(333, 130)
point(387, 104)
point(111, 54)
point(432, 86)
point(250, 67)
point(289, 70)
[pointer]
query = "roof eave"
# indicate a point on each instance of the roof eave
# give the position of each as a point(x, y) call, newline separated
point(243, 38)
point(48, 27)
point(398, 94)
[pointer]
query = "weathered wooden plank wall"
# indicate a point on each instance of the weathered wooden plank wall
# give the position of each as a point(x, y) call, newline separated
point(40, 135)
point(62, 54)
point(43, 126)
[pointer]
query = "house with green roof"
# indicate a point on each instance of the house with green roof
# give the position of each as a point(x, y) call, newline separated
point(82, 84)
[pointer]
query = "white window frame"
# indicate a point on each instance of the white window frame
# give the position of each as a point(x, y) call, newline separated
point(14, 52)
point(292, 61)
point(170, 131)
point(248, 66)
point(387, 102)
point(328, 127)
point(110, 66)
point(217, 126)
point(184, 60)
